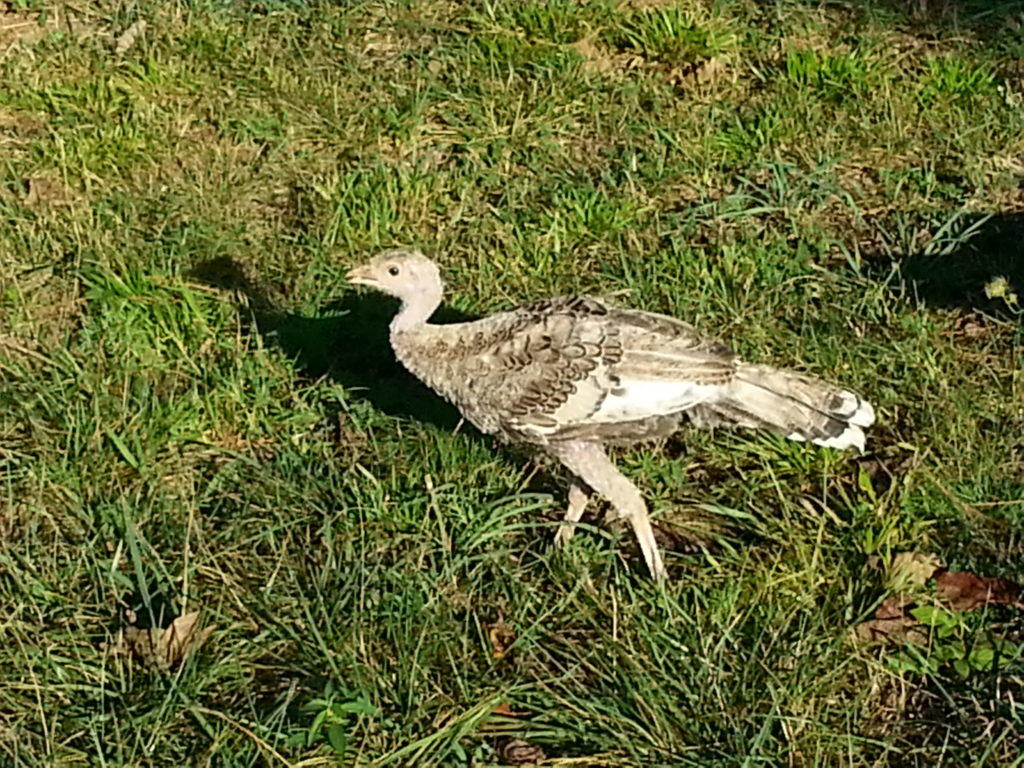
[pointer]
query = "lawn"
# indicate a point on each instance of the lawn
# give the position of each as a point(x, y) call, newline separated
point(197, 413)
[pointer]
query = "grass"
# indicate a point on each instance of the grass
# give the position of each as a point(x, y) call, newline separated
point(196, 412)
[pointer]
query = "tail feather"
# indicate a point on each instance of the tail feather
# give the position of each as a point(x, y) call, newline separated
point(792, 404)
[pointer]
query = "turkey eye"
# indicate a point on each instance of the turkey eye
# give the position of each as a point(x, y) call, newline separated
point(393, 271)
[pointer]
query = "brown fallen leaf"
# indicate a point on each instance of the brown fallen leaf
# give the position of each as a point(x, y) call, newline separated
point(893, 607)
point(892, 624)
point(893, 631)
point(965, 591)
point(164, 648)
point(520, 752)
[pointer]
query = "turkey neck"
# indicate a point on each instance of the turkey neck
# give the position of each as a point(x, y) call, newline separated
point(415, 312)
point(419, 345)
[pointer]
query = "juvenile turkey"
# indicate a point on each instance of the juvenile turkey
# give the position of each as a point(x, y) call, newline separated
point(572, 374)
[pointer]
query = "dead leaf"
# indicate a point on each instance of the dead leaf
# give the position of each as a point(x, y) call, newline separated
point(501, 637)
point(892, 607)
point(164, 648)
point(892, 624)
point(893, 631)
point(911, 570)
point(520, 752)
point(965, 591)
point(129, 37)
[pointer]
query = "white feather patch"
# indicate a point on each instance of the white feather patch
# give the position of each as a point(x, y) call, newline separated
point(634, 400)
point(855, 410)
point(851, 437)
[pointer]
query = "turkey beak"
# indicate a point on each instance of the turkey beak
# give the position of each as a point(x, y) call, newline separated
point(361, 276)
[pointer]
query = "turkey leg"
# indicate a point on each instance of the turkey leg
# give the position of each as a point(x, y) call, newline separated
point(578, 498)
point(590, 463)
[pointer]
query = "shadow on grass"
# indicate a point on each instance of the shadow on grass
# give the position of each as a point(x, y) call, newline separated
point(973, 266)
point(956, 276)
point(942, 711)
point(348, 343)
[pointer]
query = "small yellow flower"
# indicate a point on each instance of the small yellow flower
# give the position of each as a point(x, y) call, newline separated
point(997, 288)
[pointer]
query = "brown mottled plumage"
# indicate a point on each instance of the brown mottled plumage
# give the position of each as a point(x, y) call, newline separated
point(570, 374)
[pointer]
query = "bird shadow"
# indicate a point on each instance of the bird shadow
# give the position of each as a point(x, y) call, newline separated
point(975, 271)
point(978, 268)
point(346, 343)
